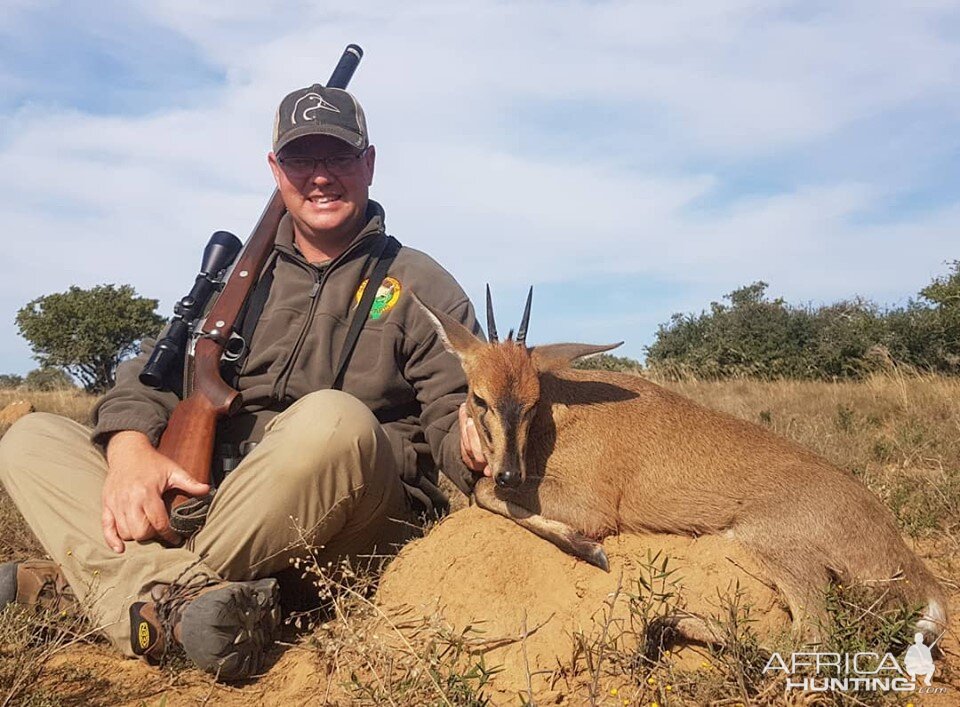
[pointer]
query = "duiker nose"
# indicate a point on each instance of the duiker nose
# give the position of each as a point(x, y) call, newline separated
point(508, 478)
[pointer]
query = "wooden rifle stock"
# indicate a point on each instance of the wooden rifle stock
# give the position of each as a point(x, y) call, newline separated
point(192, 427)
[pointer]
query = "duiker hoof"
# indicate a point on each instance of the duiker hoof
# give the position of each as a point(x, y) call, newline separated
point(597, 557)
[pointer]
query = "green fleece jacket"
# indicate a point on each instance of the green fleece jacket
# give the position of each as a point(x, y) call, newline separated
point(399, 368)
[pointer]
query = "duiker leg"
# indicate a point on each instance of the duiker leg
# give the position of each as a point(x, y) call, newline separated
point(804, 589)
point(560, 534)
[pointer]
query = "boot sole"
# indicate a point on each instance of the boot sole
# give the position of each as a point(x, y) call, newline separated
point(227, 631)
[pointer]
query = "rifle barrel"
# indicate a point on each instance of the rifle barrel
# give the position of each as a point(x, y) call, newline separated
point(345, 67)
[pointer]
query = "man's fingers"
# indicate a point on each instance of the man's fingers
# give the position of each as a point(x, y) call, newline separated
point(475, 445)
point(179, 479)
point(470, 449)
point(110, 530)
point(156, 513)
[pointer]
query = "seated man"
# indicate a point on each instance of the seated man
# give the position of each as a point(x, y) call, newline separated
point(342, 470)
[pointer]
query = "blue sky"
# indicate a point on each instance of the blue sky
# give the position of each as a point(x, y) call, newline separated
point(628, 159)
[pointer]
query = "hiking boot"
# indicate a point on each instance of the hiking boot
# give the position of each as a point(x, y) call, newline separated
point(37, 583)
point(225, 628)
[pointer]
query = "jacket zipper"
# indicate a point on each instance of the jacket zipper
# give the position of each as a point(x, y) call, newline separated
point(280, 388)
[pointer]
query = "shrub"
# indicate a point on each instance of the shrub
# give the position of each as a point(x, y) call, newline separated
point(48, 378)
point(10, 380)
point(606, 362)
point(753, 336)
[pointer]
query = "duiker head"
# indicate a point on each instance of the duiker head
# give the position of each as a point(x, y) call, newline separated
point(504, 384)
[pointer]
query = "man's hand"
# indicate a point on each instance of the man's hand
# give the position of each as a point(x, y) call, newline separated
point(137, 477)
point(470, 449)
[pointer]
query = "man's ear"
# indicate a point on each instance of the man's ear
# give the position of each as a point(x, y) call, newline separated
point(369, 161)
point(274, 167)
point(553, 357)
point(456, 338)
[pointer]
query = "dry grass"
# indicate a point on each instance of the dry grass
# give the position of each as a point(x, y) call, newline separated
point(72, 403)
point(899, 433)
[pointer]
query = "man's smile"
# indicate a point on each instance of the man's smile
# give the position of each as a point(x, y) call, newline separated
point(321, 199)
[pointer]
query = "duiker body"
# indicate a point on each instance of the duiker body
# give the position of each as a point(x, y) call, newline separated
point(579, 455)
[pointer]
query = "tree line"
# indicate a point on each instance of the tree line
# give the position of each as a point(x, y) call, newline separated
point(751, 335)
point(81, 335)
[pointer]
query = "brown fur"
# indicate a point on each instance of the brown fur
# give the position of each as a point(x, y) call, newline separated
point(603, 453)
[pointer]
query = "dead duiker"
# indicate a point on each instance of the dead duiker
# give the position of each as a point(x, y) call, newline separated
point(579, 455)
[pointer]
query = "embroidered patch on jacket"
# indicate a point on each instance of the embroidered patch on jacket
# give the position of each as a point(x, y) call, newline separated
point(387, 295)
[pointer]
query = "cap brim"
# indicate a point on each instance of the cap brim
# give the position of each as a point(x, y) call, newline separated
point(351, 138)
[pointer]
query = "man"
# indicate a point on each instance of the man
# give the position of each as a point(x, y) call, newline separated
point(344, 472)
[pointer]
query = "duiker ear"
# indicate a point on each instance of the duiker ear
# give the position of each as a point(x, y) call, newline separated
point(553, 357)
point(456, 338)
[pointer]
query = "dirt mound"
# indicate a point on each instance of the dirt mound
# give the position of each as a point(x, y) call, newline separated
point(478, 569)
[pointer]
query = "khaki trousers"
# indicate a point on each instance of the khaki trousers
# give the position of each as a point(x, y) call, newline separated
point(322, 476)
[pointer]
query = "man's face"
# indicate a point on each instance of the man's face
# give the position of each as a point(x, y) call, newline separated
point(327, 201)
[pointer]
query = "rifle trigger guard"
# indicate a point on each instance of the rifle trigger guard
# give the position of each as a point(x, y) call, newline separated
point(234, 348)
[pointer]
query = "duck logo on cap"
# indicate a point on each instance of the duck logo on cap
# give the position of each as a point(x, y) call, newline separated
point(307, 106)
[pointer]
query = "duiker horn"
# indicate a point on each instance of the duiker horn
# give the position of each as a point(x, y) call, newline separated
point(491, 323)
point(525, 320)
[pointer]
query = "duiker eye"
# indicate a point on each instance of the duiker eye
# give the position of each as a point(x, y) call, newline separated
point(480, 402)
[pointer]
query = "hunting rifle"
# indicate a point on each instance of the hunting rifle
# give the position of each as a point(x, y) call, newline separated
point(190, 432)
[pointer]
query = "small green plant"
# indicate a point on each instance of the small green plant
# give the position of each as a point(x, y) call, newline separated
point(845, 420)
point(29, 638)
point(739, 657)
point(621, 654)
point(407, 660)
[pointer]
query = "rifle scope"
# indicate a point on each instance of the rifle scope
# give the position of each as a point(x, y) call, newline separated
point(167, 355)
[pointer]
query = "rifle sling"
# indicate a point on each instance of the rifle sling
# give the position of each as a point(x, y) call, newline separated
point(250, 317)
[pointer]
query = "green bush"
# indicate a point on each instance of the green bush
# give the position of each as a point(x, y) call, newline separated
point(48, 378)
point(753, 336)
point(10, 380)
point(606, 362)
